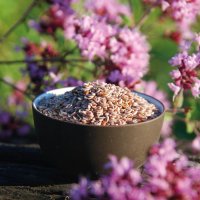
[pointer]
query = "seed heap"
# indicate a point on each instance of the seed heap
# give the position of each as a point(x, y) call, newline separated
point(99, 104)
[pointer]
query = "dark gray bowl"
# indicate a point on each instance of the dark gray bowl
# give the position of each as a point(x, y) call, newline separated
point(84, 149)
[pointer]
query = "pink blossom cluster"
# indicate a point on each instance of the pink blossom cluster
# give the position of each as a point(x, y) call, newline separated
point(111, 10)
point(45, 75)
point(17, 97)
point(58, 14)
point(42, 74)
point(196, 144)
point(71, 81)
point(168, 176)
point(185, 77)
point(122, 52)
point(121, 183)
point(183, 12)
point(44, 49)
point(14, 124)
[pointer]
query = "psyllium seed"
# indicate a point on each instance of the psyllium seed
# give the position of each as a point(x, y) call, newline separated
point(100, 104)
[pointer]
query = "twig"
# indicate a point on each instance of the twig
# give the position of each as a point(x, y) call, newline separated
point(65, 54)
point(82, 67)
point(69, 52)
point(197, 128)
point(132, 11)
point(145, 15)
point(11, 62)
point(16, 88)
point(19, 21)
point(61, 60)
point(175, 110)
point(180, 119)
point(130, 4)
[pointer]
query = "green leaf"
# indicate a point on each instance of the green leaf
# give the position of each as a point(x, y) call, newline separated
point(60, 38)
point(190, 127)
point(137, 9)
point(178, 99)
point(181, 132)
point(195, 112)
point(126, 20)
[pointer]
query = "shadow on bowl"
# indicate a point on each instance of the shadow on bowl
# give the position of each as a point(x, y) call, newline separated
point(80, 149)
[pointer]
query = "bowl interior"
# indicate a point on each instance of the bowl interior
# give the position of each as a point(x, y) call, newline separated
point(61, 91)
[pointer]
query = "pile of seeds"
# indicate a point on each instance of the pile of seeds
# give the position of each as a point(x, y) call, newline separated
point(99, 104)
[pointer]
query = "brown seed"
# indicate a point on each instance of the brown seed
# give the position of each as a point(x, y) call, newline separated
point(99, 104)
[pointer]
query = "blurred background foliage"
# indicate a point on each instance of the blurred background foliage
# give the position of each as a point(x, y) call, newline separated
point(162, 49)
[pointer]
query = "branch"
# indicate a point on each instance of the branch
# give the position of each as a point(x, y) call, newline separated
point(11, 62)
point(69, 52)
point(145, 15)
point(175, 110)
point(19, 21)
point(130, 4)
point(132, 12)
point(197, 128)
point(16, 88)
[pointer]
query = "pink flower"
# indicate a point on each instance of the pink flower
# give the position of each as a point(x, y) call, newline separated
point(184, 46)
point(168, 177)
point(167, 127)
point(191, 62)
point(112, 10)
point(196, 143)
point(17, 97)
point(71, 81)
point(185, 76)
point(69, 28)
point(56, 17)
point(177, 59)
point(122, 52)
point(93, 37)
point(156, 167)
point(197, 39)
point(80, 191)
point(176, 89)
point(161, 154)
point(175, 73)
point(124, 80)
point(55, 77)
point(164, 5)
point(183, 12)
point(11, 125)
point(162, 184)
point(196, 89)
point(129, 50)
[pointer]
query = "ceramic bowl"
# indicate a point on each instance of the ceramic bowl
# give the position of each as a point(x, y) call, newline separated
point(83, 149)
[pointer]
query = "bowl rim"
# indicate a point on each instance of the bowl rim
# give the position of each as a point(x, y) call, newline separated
point(92, 125)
